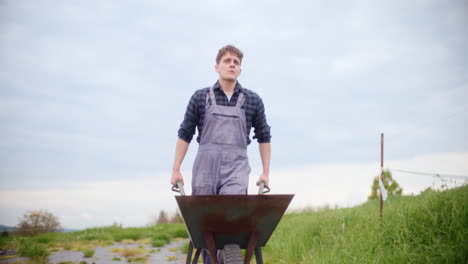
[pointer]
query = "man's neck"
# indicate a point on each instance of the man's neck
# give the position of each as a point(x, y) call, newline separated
point(227, 86)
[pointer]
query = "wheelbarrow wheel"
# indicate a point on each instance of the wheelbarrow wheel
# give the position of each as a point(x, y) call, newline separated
point(232, 254)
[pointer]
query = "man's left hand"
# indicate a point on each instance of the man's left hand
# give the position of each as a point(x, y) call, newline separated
point(264, 177)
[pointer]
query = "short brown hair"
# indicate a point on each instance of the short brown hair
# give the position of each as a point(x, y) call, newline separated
point(230, 49)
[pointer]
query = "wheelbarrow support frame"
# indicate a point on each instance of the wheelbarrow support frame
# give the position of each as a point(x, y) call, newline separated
point(244, 220)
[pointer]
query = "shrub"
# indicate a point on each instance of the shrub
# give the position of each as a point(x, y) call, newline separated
point(3, 241)
point(179, 231)
point(162, 236)
point(39, 221)
point(158, 243)
point(171, 258)
point(88, 253)
point(130, 252)
point(43, 238)
point(184, 247)
point(138, 259)
point(32, 249)
point(67, 246)
point(127, 233)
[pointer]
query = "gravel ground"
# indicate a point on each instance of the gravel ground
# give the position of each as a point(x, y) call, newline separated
point(169, 254)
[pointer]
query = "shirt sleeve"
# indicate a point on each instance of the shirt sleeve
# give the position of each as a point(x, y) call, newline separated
point(187, 128)
point(259, 122)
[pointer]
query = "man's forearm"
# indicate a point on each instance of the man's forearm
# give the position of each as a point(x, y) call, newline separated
point(181, 150)
point(265, 155)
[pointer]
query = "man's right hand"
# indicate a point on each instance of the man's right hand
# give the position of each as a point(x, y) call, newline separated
point(176, 176)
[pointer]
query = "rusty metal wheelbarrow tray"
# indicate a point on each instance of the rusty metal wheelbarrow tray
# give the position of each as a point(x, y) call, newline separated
point(232, 219)
point(214, 221)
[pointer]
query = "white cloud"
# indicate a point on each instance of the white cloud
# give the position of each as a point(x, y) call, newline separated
point(86, 216)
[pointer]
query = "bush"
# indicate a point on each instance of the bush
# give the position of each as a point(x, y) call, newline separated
point(32, 249)
point(163, 218)
point(88, 253)
point(39, 221)
point(43, 238)
point(158, 243)
point(163, 237)
point(179, 231)
point(128, 233)
point(67, 246)
point(185, 247)
point(3, 241)
point(134, 251)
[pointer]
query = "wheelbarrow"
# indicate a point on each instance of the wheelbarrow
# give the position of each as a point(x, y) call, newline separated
point(231, 223)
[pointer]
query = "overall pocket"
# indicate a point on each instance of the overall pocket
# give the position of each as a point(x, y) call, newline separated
point(225, 129)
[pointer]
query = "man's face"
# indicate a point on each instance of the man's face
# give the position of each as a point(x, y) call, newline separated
point(229, 67)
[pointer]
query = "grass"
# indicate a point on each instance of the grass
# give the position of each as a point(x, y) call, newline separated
point(85, 240)
point(134, 251)
point(115, 250)
point(171, 258)
point(67, 246)
point(32, 249)
point(7, 257)
point(184, 247)
point(138, 260)
point(428, 228)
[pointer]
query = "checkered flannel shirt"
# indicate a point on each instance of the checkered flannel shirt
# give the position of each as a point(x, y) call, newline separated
point(253, 107)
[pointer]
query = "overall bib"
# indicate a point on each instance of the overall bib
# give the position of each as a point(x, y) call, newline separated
point(221, 165)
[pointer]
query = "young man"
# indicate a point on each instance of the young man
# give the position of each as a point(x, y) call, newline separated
point(224, 115)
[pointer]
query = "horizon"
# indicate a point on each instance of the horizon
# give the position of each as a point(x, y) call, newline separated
point(93, 93)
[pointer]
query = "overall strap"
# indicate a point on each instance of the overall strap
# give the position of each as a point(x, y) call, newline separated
point(240, 100)
point(212, 96)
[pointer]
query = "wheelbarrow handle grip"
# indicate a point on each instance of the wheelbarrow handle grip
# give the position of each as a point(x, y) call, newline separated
point(261, 188)
point(179, 187)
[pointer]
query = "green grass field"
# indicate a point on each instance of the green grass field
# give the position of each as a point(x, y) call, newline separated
point(39, 246)
point(428, 228)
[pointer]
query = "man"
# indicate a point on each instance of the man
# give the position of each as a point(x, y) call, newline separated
point(224, 115)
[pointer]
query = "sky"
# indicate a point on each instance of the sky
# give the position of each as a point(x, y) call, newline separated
point(92, 94)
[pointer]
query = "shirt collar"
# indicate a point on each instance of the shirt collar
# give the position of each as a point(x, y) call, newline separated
point(238, 87)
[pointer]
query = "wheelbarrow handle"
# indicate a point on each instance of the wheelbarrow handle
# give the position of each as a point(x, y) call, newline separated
point(261, 188)
point(179, 188)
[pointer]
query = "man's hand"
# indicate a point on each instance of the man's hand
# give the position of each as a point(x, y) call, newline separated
point(265, 154)
point(176, 176)
point(264, 177)
point(181, 150)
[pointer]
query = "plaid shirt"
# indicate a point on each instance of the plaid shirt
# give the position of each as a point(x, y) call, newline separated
point(253, 107)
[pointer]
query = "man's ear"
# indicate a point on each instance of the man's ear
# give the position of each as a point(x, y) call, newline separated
point(217, 68)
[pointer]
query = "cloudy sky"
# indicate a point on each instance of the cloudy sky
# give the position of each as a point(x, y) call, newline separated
point(92, 94)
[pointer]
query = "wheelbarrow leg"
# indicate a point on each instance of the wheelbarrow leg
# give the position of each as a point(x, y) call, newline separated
point(210, 243)
point(189, 253)
point(197, 256)
point(258, 255)
point(251, 246)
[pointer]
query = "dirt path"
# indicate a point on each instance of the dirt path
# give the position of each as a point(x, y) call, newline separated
point(169, 254)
